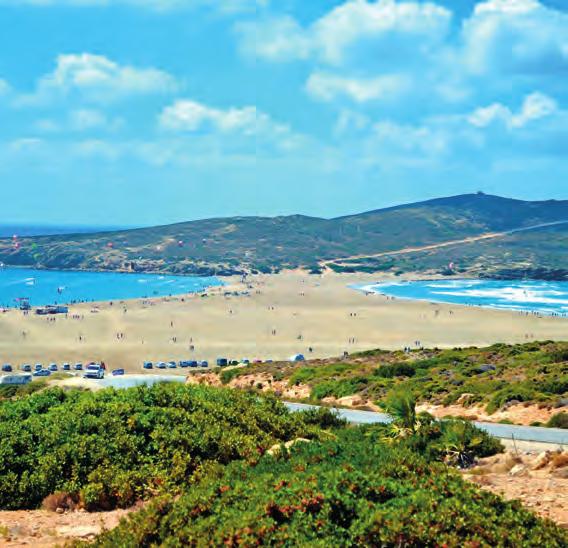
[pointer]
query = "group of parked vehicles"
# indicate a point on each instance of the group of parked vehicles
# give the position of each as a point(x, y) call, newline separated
point(91, 370)
point(175, 365)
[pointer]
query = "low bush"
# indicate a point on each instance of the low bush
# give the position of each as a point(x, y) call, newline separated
point(111, 448)
point(354, 491)
point(559, 420)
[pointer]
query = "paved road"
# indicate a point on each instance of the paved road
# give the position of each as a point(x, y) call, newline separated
point(470, 239)
point(555, 436)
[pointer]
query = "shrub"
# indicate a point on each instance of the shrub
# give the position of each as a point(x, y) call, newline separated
point(395, 370)
point(111, 448)
point(353, 491)
point(559, 420)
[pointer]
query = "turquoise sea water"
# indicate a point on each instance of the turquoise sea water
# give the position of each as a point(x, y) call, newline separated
point(44, 287)
point(522, 296)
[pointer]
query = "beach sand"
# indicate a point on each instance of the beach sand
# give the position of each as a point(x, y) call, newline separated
point(281, 315)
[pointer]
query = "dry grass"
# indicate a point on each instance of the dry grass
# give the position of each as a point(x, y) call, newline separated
point(57, 500)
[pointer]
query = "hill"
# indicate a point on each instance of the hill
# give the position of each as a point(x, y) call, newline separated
point(225, 246)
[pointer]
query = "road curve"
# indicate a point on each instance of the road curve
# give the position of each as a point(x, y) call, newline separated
point(554, 436)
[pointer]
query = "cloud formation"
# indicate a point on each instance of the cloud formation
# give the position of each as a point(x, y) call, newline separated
point(97, 78)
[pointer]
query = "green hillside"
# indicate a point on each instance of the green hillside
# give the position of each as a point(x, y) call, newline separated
point(231, 245)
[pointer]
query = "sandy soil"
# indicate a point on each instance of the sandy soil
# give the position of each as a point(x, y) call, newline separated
point(517, 414)
point(42, 529)
point(278, 316)
point(538, 480)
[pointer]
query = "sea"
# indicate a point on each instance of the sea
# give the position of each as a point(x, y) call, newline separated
point(532, 296)
point(9, 230)
point(45, 287)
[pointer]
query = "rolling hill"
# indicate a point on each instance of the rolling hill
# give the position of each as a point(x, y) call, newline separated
point(225, 246)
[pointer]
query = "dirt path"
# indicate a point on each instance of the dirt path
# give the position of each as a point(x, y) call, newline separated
point(470, 239)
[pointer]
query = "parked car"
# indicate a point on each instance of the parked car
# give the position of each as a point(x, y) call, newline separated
point(172, 365)
point(7, 368)
point(117, 372)
point(184, 363)
point(66, 367)
point(94, 371)
point(42, 373)
point(38, 367)
point(297, 358)
point(148, 365)
point(27, 368)
point(204, 363)
point(78, 367)
point(161, 365)
point(193, 363)
point(244, 361)
point(222, 362)
point(53, 367)
point(233, 362)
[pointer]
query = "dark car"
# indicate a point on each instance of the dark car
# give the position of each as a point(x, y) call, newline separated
point(222, 362)
point(66, 367)
point(78, 367)
point(148, 365)
point(7, 368)
point(27, 368)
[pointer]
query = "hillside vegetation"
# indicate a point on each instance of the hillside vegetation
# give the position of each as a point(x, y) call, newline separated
point(493, 377)
point(259, 244)
point(352, 491)
point(111, 448)
point(234, 468)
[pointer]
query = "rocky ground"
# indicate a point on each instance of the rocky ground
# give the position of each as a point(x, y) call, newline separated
point(538, 480)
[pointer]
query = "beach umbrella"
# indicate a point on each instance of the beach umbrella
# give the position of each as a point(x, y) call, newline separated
point(110, 245)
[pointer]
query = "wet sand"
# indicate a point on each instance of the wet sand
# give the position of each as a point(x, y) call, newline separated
point(279, 316)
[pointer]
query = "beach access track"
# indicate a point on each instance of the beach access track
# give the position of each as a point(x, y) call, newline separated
point(468, 240)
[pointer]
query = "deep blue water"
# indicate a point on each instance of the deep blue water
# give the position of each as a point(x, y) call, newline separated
point(44, 287)
point(7, 231)
point(528, 296)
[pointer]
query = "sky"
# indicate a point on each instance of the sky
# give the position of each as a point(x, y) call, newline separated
point(143, 112)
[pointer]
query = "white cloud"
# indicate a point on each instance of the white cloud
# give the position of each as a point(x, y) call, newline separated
point(333, 37)
point(80, 120)
point(97, 78)
point(535, 106)
point(190, 116)
point(515, 36)
point(329, 87)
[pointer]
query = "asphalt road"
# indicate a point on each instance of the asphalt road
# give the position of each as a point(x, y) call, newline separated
point(554, 436)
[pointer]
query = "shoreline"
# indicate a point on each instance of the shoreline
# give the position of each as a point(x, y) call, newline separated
point(269, 317)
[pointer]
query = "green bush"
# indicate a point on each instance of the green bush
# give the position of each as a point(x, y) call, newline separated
point(354, 491)
point(395, 370)
point(559, 420)
point(111, 448)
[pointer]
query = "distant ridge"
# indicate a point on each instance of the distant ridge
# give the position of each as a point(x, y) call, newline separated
point(233, 245)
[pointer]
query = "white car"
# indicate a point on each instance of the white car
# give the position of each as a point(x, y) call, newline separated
point(94, 371)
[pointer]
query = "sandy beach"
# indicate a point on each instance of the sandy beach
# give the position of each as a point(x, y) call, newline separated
point(273, 317)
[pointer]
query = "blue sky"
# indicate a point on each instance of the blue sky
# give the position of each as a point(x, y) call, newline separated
point(138, 112)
